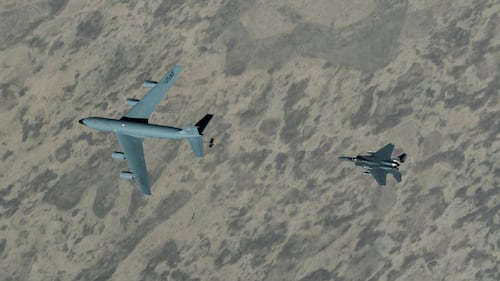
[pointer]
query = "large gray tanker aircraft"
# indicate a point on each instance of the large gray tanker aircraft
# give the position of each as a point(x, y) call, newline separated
point(134, 127)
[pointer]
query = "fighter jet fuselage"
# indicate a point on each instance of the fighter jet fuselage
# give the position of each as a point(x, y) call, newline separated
point(367, 162)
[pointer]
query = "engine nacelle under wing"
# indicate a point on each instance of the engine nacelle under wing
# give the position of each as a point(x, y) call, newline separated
point(126, 175)
point(132, 102)
point(118, 155)
point(149, 84)
point(367, 173)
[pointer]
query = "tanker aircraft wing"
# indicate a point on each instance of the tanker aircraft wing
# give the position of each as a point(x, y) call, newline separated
point(132, 147)
point(143, 109)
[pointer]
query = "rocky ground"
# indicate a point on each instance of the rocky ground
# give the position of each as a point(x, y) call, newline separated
point(293, 85)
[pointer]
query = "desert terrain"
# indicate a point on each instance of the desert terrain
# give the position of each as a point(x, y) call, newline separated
point(293, 85)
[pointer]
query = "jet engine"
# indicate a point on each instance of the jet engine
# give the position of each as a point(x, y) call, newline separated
point(367, 173)
point(118, 155)
point(149, 84)
point(132, 102)
point(127, 175)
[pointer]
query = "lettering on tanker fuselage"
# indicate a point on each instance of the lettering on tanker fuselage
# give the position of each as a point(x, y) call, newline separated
point(168, 78)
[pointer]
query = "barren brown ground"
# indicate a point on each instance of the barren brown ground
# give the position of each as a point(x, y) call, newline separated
point(293, 84)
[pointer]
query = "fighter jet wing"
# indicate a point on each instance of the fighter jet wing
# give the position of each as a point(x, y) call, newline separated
point(132, 147)
point(384, 153)
point(380, 176)
point(145, 107)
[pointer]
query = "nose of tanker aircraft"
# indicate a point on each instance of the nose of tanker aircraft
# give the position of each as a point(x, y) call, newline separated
point(101, 124)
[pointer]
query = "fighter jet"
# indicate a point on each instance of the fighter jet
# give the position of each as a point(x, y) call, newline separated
point(134, 127)
point(378, 164)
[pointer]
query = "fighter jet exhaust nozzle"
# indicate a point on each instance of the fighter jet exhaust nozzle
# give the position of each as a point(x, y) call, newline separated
point(149, 84)
point(127, 175)
point(118, 155)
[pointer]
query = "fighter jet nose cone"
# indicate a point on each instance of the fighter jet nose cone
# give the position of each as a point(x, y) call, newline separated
point(81, 121)
point(345, 158)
